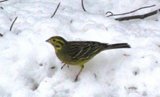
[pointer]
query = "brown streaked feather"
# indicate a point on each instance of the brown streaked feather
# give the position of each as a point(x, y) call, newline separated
point(83, 50)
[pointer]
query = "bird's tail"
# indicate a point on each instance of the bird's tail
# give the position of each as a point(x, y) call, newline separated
point(118, 45)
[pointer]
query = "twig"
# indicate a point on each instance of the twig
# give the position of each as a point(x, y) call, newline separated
point(138, 16)
point(1, 35)
point(12, 24)
point(1, 7)
point(82, 3)
point(112, 14)
point(56, 10)
point(3, 1)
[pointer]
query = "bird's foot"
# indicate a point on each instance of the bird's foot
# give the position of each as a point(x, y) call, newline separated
point(63, 66)
point(76, 79)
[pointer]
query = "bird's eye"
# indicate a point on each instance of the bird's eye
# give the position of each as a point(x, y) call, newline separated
point(53, 40)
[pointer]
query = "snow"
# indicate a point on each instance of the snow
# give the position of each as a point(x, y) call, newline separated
point(30, 68)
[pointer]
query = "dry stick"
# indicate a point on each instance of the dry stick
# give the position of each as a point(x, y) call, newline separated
point(1, 35)
point(12, 24)
point(3, 1)
point(82, 3)
point(138, 16)
point(56, 10)
point(1, 7)
point(111, 13)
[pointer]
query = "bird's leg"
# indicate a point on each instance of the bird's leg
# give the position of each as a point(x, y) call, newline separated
point(67, 65)
point(82, 66)
point(63, 65)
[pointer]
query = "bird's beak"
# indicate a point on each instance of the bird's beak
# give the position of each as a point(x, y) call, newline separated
point(47, 40)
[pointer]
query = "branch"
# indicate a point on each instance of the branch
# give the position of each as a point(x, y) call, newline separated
point(112, 14)
point(12, 24)
point(3, 1)
point(82, 3)
point(138, 16)
point(56, 10)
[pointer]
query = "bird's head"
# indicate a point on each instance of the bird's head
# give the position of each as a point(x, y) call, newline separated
point(57, 41)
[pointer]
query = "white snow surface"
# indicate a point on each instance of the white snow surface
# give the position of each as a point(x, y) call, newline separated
point(30, 68)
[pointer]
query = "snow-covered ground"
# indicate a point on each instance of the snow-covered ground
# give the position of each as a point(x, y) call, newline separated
point(30, 68)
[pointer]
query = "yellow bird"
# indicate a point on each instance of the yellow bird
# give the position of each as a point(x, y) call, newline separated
point(79, 52)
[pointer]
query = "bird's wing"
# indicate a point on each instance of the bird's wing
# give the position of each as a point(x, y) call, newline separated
point(83, 50)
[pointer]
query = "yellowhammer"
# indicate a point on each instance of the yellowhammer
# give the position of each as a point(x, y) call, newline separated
point(79, 52)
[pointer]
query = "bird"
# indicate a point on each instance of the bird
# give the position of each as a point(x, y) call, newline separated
point(79, 52)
